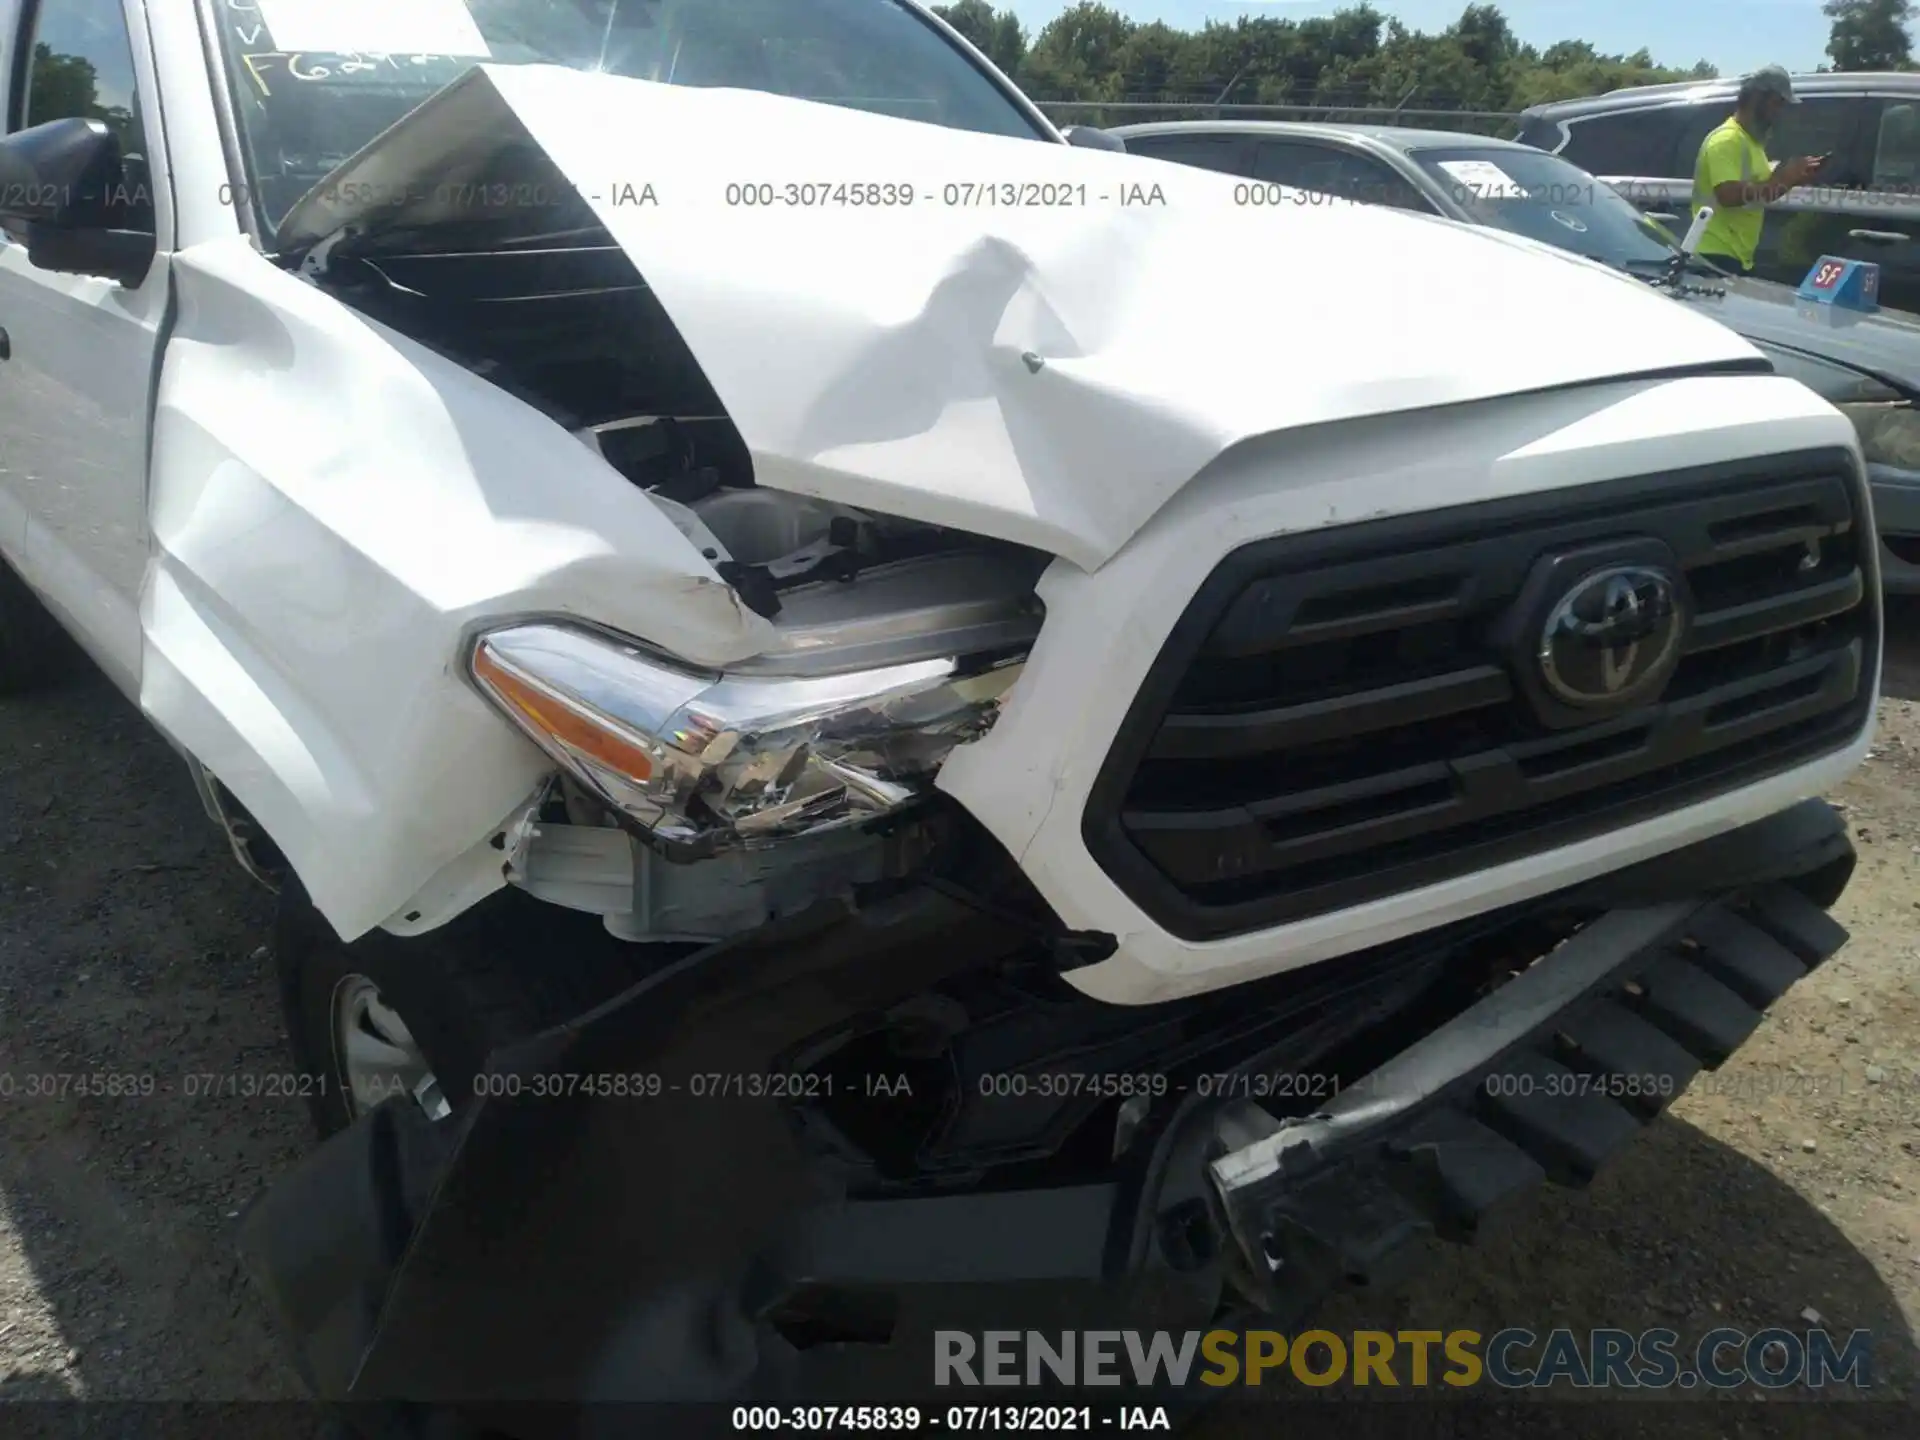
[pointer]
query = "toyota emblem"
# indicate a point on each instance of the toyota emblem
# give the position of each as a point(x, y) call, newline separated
point(1614, 638)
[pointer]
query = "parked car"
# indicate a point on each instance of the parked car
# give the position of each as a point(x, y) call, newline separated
point(1867, 364)
point(835, 722)
point(1865, 205)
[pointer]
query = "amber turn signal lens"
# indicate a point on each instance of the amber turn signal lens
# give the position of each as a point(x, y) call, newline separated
point(553, 721)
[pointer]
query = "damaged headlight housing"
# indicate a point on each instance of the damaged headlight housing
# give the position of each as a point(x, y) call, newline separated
point(1889, 432)
point(1886, 422)
point(703, 761)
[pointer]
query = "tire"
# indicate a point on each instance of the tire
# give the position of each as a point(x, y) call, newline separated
point(33, 647)
point(508, 968)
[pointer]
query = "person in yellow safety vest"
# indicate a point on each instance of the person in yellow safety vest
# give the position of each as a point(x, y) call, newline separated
point(1735, 177)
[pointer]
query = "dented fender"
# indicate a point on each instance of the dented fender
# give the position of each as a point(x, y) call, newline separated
point(334, 509)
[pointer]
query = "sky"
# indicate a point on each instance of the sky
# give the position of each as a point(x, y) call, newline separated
point(1735, 35)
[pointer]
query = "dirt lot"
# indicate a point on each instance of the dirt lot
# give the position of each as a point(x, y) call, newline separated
point(131, 946)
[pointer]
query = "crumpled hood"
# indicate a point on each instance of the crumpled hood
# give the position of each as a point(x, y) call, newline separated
point(1048, 342)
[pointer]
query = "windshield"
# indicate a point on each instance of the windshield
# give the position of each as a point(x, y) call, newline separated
point(1544, 198)
point(315, 80)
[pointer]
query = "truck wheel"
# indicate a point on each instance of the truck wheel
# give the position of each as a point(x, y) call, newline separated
point(417, 1018)
point(33, 647)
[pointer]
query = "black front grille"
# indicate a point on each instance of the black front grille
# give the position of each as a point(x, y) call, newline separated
point(1341, 716)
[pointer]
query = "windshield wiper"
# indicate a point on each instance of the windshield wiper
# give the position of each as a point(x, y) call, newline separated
point(1636, 266)
point(1672, 272)
point(1678, 261)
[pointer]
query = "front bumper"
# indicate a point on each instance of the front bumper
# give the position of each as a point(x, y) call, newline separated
point(1545, 1079)
point(1896, 514)
point(562, 1242)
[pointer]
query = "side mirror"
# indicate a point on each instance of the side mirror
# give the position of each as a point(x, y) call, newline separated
point(65, 184)
point(1089, 138)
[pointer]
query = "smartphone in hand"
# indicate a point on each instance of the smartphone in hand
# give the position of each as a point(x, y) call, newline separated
point(1810, 165)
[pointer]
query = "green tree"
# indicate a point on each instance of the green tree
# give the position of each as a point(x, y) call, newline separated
point(1330, 60)
point(997, 34)
point(61, 86)
point(1572, 68)
point(1149, 61)
point(1076, 55)
point(1870, 34)
point(1484, 36)
point(1355, 58)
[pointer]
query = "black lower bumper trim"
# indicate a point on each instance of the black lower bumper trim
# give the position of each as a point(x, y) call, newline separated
point(1547, 1078)
point(554, 1244)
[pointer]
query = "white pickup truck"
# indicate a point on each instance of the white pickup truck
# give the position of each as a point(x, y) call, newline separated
point(843, 696)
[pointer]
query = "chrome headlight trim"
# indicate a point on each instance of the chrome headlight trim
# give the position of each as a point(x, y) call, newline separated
point(732, 759)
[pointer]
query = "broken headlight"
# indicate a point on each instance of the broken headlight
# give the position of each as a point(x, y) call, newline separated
point(1887, 424)
point(1889, 432)
point(702, 761)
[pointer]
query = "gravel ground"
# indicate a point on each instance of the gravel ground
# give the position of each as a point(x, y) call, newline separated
point(132, 947)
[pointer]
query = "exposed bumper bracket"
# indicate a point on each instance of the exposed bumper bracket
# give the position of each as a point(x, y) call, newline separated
point(1543, 1079)
point(558, 1244)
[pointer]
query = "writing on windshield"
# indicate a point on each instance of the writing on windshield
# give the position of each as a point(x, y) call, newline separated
point(314, 81)
point(1544, 198)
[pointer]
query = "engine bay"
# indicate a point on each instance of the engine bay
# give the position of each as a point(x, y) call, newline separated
point(561, 320)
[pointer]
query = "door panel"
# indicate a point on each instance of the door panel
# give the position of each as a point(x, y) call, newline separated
point(74, 392)
point(1864, 208)
point(1815, 219)
point(1882, 218)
